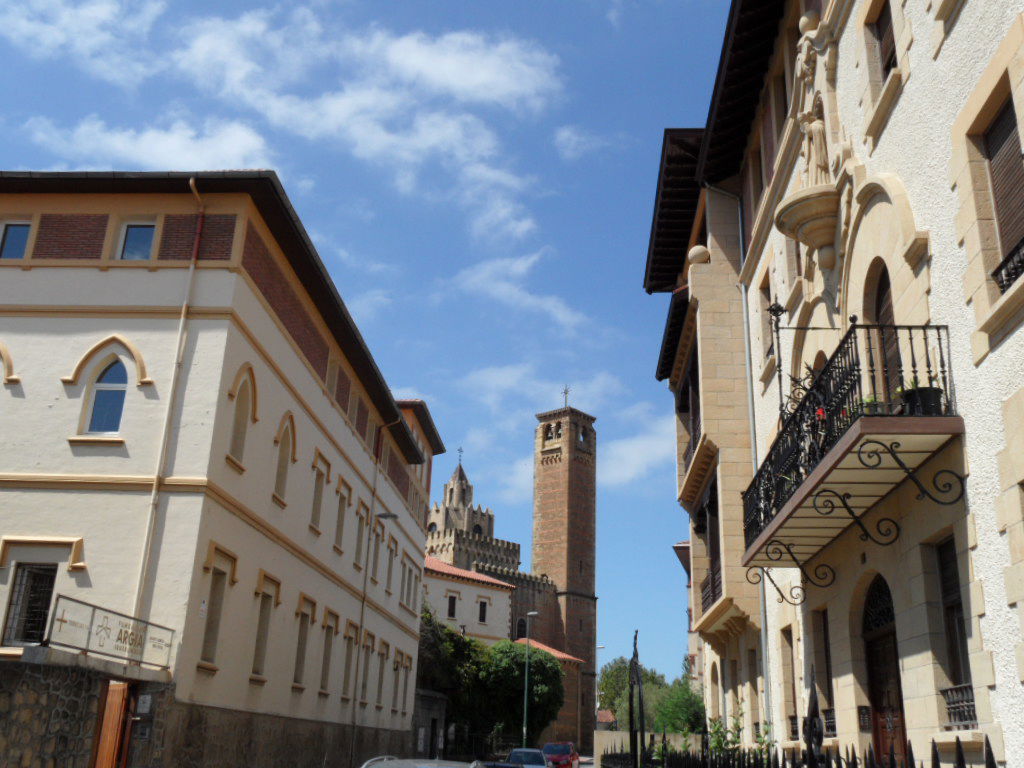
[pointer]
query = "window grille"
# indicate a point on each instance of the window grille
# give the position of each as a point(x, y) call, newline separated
point(30, 604)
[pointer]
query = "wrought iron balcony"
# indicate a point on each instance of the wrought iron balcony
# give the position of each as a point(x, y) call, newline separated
point(880, 406)
point(960, 707)
point(711, 587)
point(694, 429)
point(1010, 269)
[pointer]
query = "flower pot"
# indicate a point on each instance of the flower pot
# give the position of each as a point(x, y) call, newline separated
point(922, 401)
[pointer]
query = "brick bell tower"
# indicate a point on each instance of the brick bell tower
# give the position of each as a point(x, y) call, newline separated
point(564, 540)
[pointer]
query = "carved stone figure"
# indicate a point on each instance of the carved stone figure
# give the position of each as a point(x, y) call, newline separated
point(812, 123)
point(806, 60)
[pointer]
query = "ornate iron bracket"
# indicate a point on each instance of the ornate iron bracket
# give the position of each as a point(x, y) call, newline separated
point(887, 528)
point(824, 575)
point(797, 594)
point(949, 484)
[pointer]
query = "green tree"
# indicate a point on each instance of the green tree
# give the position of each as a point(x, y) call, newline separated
point(613, 683)
point(453, 664)
point(680, 709)
point(502, 679)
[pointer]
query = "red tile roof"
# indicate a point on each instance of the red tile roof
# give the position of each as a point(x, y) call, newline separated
point(441, 568)
point(560, 655)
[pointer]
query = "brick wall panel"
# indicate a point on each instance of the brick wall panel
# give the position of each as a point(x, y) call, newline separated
point(179, 233)
point(70, 236)
point(271, 281)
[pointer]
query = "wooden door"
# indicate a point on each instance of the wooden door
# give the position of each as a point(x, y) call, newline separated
point(889, 342)
point(114, 726)
point(886, 696)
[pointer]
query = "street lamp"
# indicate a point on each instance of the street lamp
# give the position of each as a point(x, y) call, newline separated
point(526, 676)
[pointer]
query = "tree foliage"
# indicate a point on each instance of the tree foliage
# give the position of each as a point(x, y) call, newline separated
point(613, 683)
point(484, 685)
point(674, 707)
point(503, 681)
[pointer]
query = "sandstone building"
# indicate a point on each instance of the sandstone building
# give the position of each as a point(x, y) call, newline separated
point(842, 247)
point(213, 518)
point(561, 586)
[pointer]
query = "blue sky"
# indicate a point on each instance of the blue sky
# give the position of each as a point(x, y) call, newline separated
point(478, 177)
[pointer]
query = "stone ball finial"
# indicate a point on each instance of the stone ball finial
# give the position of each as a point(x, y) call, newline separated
point(699, 254)
point(809, 22)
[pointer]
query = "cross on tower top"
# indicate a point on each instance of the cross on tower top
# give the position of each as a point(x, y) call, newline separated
point(460, 454)
point(565, 394)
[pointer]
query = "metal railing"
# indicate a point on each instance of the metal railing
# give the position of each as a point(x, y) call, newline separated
point(829, 718)
point(1010, 269)
point(794, 728)
point(711, 587)
point(960, 707)
point(876, 370)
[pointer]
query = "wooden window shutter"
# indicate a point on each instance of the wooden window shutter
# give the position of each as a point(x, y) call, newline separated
point(886, 40)
point(1006, 168)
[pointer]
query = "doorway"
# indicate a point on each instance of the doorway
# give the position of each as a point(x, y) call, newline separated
point(889, 363)
point(881, 654)
point(114, 726)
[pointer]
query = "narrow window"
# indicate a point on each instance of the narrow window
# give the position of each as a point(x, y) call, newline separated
point(240, 425)
point(284, 455)
point(14, 241)
point(752, 675)
point(483, 611)
point(1006, 172)
point(396, 682)
point(137, 243)
point(330, 630)
point(405, 684)
point(765, 298)
point(367, 659)
point(259, 657)
point(405, 578)
point(520, 628)
point(306, 608)
point(391, 565)
point(959, 669)
point(214, 608)
point(885, 37)
point(319, 480)
point(452, 600)
point(30, 604)
point(377, 535)
point(350, 648)
point(789, 682)
point(382, 661)
point(360, 534)
point(108, 399)
point(344, 500)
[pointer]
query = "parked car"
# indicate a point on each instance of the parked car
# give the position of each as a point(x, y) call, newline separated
point(389, 761)
point(562, 754)
point(528, 757)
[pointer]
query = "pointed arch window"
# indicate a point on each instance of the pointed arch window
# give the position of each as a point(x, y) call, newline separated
point(240, 425)
point(285, 440)
point(107, 403)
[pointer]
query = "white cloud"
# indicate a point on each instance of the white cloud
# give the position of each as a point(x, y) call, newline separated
point(411, 393)
point(517, 386)
point(628, 459)
point(503, 280)
point(516, 482)
point(364, 263)
point(104, 37)
point(180, 145)
point(573, 142)
point(367, 305)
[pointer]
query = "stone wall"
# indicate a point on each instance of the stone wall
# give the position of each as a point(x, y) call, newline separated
point(47, 715)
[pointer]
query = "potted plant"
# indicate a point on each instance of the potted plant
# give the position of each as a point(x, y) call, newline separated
point(870, 406)
point(921, 399)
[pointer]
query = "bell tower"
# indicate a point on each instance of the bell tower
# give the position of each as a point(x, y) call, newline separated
point(564, 538)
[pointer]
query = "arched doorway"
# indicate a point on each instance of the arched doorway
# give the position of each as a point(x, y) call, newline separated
point(882, 657)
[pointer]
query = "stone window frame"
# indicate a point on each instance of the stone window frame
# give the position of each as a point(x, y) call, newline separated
point(483, 599)
point(363, 676)
point(976, 230)
point(383, 654)
point(286, 427)
point(392, 556)
point(946, 13)
point(223, 560)
point(362, 534)
point(266, 584)
point(305, 611)
point(879, 97)
point(397, 665)
point(321, 467)
point(351, 638)
point(331, 620)
point(344, 493)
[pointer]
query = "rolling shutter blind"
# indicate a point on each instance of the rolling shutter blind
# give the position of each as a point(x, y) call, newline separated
point(886, 40)
point(1006, 169)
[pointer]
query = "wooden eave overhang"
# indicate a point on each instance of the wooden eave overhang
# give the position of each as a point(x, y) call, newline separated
point(268, 195)
point(804, 529)
point(750, 37)
point(422, 413)
point(678, 310)
point(675, 209)
point(682, 550)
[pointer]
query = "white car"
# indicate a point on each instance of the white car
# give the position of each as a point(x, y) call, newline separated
point(389, 761)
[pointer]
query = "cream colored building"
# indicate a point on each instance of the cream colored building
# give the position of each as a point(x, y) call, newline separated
point(852, 218)
point(472, 603)
point(198, 437)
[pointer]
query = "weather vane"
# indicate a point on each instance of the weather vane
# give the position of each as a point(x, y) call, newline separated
point(565, 394)
point(460, 454)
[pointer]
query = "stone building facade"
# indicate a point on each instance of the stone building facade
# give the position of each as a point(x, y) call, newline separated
point(207, 484)
point(842, 247)
point(561, 586)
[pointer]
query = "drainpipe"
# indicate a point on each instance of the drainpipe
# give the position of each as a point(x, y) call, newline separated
point(765, 666)
point(370, 522)
point(172, 396)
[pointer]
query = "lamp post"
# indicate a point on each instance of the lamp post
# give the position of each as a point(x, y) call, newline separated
point(526, 675)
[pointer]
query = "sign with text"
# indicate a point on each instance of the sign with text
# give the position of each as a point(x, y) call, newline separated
point(95, 630)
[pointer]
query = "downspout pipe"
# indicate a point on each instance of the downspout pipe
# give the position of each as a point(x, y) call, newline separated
point(172, 398)
point(741, 224)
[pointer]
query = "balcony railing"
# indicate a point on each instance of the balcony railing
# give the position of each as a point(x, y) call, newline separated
point(1010, 269)
point(894, 371)
point(711, 587)
point(960, 707)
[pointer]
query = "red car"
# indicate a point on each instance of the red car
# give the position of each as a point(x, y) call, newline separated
point(562, 754)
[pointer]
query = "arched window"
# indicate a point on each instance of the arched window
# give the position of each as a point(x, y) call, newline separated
point(240, 425)
point(108, 394)
point(520, 628)
point(432, 528)
point(478, 530)
point(284, 455)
